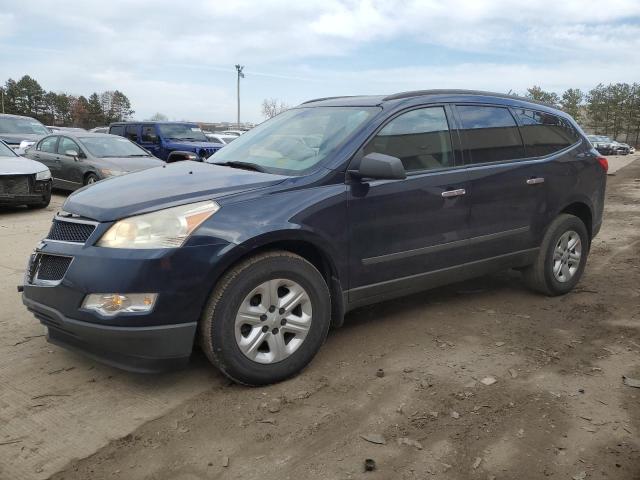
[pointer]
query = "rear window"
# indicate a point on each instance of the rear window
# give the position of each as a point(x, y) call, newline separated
point(544, 133)
point(490, 134)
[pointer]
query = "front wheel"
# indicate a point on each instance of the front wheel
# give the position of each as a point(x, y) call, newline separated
point(90, 179)
point(266, 319)
point(562, 257)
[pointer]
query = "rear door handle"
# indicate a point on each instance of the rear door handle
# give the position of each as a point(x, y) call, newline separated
point(454, 193)
point(535, 181)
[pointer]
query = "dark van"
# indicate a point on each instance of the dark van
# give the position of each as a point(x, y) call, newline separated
point(337, 203)
point(169, 141)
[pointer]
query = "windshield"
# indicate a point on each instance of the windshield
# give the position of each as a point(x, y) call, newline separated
point(22, 125)
point(6, 151)
point(182, 131)
point(112, 146)
point(295, 140)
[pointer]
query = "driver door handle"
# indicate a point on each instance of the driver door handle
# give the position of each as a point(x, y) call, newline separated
point(535, 181)
point(454, 193)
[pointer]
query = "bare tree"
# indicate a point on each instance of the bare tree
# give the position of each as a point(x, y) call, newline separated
point(158, 117)
point(272, 107)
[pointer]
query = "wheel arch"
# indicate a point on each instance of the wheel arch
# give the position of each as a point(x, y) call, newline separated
point(584, 212)
point(307, 247)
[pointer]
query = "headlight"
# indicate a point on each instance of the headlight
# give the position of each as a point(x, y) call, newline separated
point(111, 304)
point(107, 172)
point(25, 144)
point(167, 228)
point(43, 175)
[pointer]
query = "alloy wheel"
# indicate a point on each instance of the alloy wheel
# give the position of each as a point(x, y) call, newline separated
point(567, 256)
point(273, 321)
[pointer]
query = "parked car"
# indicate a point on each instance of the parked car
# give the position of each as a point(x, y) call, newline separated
point(220, 138)
point(235, 133)
point(23, 181)
point(84, 158)
point(100, 130)
point(55, 129)
point(21, 132)
point(170, 141)
point(335, 204)
point(621, 148)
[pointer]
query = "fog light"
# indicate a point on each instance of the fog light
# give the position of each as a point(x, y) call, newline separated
point(110, 304)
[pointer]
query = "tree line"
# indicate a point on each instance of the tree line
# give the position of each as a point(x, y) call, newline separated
point(612, 110)
point(27, 97)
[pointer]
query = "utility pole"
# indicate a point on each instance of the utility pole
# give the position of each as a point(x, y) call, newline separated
point(2, 95)
point(239, 69)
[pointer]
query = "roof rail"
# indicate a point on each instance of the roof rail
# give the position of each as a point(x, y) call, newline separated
point(419, 93)
point(327, 98)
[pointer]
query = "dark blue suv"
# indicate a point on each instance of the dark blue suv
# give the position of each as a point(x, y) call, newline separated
point(337, 203)
point(169, 141)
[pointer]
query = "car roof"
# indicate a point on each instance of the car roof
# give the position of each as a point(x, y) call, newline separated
point(11, 115)
point(151, 122)
point(455, 95)
point(78, 135)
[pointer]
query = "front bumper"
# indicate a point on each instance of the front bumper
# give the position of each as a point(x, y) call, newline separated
point(39, 191)
point(143, 342)
point(136, 349)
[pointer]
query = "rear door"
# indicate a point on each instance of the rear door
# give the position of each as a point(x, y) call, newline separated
point(507, 193)
point(403, 229)
point(46, 152)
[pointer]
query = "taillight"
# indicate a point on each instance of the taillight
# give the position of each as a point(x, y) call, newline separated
point(604, 163)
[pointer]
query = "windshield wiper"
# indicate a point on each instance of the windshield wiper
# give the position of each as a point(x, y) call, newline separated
point(139, 155)
point(242, 165)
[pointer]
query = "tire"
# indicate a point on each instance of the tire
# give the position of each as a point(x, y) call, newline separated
point(277, 354)
point(540, 276)
point(90, 178)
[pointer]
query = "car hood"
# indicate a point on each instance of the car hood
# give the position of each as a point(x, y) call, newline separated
point(197, 144)
point(16, 138)
point(19, 166)
point(131, 164)
point(153, 189)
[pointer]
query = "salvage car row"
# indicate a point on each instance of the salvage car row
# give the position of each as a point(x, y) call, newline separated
point(73, 158)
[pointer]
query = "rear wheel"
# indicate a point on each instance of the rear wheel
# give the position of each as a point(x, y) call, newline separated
point(266, 319)
point(562, 257)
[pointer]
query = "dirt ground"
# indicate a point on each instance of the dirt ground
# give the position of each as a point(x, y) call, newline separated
point(558, 407)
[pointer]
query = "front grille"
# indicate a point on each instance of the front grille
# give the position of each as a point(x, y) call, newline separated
point(48, 268)
point(207, 152)
point(70, 231)
point(14, 185)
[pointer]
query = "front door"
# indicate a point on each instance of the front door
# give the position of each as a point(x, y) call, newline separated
point(403, 229)
point(150, 140)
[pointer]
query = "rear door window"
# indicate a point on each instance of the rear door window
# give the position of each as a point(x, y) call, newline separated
point(544, 133)
point(490, 134)
point(131, 132)
point(419, 138)
point(48, 145)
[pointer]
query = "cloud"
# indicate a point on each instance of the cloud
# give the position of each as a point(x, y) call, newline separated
point(178, 59)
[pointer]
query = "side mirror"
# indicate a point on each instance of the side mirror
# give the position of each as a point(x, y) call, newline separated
point(72, 153)
point(179, 155)
point(380, 167)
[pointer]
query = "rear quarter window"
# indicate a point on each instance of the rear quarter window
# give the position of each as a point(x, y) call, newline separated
point(490, 134)
point(544, 133)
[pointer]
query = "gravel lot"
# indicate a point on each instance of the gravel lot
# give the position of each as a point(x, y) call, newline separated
point(558, 407)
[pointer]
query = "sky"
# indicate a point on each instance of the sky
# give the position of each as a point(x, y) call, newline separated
point(178, 58)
